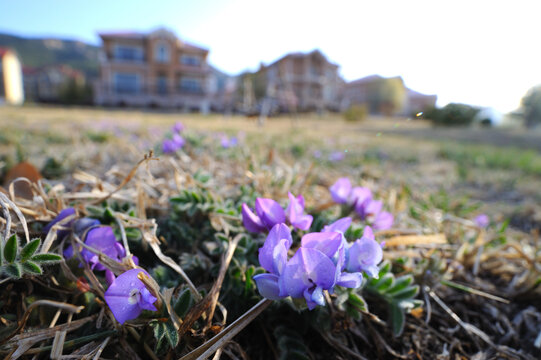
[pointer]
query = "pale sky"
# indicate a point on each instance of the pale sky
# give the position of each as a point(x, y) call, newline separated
point(484, 53)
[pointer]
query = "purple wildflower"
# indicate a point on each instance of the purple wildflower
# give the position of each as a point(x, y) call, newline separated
point(169, 146)
point(127, 296)
point(267, 214)
point(482, 221)
point(340, 225)
point(178, 140)
point(251, 221)
point(295, 213)
point(365, 254)
point(102, 239)
point(61, 216)
point(178, 127)
point(336, 156)
point(340, 190)
point(360, 197)
point(383, 221)
point(273, 258)
point(307, 274)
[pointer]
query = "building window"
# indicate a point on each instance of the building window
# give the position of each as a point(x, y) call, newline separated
point(161, 54)
point(161, 85)
point(126, 83)
point(190, 60)
point(128, 53)
point(191, 85)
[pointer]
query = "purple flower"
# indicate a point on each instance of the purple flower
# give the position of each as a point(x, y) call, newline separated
point(295, 213)
point(273, 254)
point(340, 190)
point(83, 224)
point(273, 258)
point(127, 296)
point(365, 254)
point(169, 146)
point(228, 142)
point(178, 127)
point(251, 221)
point(383, 221)
point(360, 197)
point(336, 156)
point(61, 216)
point(482, 221)
point(267, 214)
point(307, 274)
point(340, 225)
point(102, 239)
point(178, 140)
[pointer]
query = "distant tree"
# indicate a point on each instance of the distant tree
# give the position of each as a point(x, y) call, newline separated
point(75, 93)
point(452, 114)
point(531, 105)
point(356, 113)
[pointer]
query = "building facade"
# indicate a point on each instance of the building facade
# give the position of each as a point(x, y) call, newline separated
point(385, 96)
point(152, 70)
point(11, 78)
point(295, 82)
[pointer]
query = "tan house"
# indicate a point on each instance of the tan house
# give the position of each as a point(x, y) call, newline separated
point(297, 82)
point(11, 78)
point(387, 96)
point(155, 69)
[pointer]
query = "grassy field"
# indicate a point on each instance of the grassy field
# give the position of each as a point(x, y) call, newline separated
point(434, 181)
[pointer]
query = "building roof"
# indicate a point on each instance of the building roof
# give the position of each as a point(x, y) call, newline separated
point(299, 54)
point(135, 35)
point(413, 93)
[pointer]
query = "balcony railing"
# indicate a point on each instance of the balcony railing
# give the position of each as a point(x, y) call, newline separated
point(112, 89)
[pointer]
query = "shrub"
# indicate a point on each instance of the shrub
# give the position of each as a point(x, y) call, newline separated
point(531, 105)
point(452, 114)
point(356, 113)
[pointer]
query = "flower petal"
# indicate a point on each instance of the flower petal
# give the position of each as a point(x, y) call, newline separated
point(350, 280)
point(61, 216)
point(340, 190)
point(270, 212)
point(251, 221)
point(267, 285)
point(273, 253)
point(326, 242)
point(383, 221)
point(340, 225)
point(308, 267)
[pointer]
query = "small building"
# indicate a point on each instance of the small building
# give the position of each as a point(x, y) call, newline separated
point(49, 83)
point(11, 78)
point(387, 96)
point(152, 70)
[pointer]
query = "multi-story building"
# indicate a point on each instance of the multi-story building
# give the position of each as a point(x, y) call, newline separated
point(298, 82)
point(156, 70)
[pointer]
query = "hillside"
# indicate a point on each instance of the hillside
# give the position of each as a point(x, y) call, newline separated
point(36, 52)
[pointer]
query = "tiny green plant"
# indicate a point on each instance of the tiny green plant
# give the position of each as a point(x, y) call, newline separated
point(16, 261)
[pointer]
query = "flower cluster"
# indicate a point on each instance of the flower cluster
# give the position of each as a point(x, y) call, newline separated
point(361, 200)
point(228, 142)
point(268, 213)
point(127, 295)
point(324, 260)
point(176, 142)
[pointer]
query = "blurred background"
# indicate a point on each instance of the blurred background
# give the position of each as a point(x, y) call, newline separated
point(454, 63)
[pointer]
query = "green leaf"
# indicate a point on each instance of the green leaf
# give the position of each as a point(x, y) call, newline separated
point(400, 284)
point(357, 301)
point(184, 303)
point(171, 334)
point(29, 249)
point(407, 293)
point(159, 329)
point(397, 317)
point(32, 268)
point(46, 258)
point(385, 282)
point(11, 248)
point(14, 270)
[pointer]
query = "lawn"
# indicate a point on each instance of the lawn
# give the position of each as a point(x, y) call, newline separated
point(448, 286)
